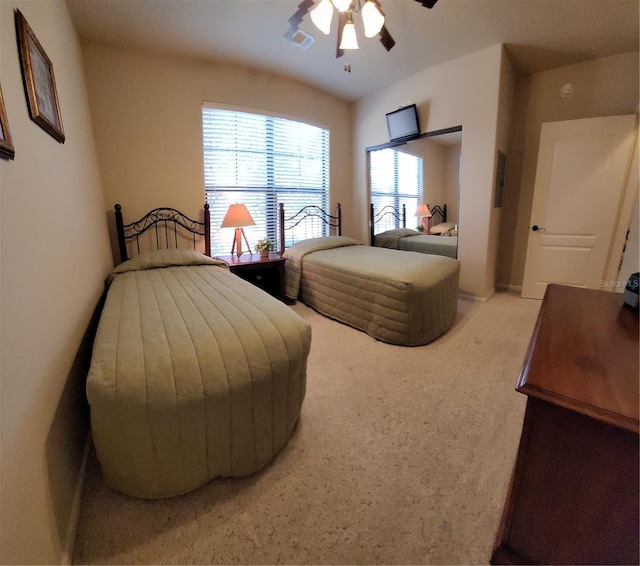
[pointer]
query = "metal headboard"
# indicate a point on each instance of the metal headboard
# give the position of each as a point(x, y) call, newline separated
point(387, 211)
point(438, 214)
point(164, 222)
point(308, 214)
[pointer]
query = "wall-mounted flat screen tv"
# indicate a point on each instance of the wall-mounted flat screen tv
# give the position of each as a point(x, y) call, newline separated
point(403, 123)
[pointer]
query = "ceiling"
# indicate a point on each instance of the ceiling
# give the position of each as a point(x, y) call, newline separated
point(539, 35)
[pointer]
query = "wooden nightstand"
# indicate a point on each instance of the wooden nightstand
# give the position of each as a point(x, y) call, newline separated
point(264, 272)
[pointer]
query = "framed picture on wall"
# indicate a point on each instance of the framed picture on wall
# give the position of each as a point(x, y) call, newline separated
point(6, 145)
point(39, 81)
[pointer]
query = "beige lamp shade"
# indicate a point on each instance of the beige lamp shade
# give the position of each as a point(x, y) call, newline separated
point(237, 216)
point(423, 211)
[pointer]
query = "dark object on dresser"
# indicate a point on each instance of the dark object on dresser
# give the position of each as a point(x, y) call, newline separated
point(573, 497)
point(630, 296)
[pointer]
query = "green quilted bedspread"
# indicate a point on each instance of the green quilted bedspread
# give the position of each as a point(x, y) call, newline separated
point(195, 374)
point(404, 298)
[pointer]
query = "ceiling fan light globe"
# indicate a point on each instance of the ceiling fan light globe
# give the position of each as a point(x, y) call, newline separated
point(349, 39)
point(321, 16)
point(372, 18)
point(342, 5)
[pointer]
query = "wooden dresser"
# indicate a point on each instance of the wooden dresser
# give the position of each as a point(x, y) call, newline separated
point(574, 494)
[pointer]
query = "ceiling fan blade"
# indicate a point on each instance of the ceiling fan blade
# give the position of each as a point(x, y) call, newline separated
point(386, 39)
point(342, 19)
point(303, 9)
point(427, 3)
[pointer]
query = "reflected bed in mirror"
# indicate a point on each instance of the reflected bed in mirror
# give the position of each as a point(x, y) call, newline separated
point(441, 239)
point(403, 176)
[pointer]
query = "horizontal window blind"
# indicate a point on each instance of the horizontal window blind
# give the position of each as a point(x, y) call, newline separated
point(396, 179)
point(261, 161)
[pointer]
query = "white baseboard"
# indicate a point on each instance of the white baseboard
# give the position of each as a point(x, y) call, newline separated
point(499, 287)
point(515, 288)
point(475, 298)
point(74, 515)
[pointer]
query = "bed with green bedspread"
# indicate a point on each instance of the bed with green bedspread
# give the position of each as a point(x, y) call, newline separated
point(404, 298)
point(195, 374)
point(413, 241)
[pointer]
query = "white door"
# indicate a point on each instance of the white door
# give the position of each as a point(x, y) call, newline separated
point(581, 174)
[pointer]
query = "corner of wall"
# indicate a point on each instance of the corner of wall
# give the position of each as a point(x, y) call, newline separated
point(50, 301)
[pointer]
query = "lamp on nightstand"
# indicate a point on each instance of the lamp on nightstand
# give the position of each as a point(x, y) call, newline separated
point(423, 213)
point(237, 217)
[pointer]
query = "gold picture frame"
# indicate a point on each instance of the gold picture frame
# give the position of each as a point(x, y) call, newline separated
point(39, 81)
point(6, 144)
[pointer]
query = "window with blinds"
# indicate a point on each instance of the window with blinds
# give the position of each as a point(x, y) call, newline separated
point(396, 179)
point(261, 161)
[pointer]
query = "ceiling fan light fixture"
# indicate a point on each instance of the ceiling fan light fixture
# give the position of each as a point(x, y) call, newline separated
point(372, 18)
point(321, 16)
point(342, 5)
point(349, 39)
point(321, 11)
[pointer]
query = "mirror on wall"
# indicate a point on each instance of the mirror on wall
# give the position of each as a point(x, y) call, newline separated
point(434, 160)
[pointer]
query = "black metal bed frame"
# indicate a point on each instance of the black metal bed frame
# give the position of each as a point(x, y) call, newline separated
point(436, 210)
point(376, 217)
point(164, 221)
point(334, 222)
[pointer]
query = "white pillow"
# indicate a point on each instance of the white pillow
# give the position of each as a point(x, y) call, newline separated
point(442, 228)
point(165, 258)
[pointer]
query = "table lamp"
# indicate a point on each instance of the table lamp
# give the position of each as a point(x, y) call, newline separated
point(238, 216)
point(423, 213)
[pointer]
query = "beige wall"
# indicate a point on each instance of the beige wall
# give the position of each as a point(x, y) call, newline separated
point(434, 172)
point(471, 91)
point(604, 87)
point(452, 182)
point(146, 112)
point(54, 257)
point(504, 125)
point(440, 175)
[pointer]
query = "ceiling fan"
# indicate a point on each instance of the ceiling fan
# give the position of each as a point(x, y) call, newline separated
point(370, 10)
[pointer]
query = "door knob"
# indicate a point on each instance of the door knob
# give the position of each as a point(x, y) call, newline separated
point(535, 228)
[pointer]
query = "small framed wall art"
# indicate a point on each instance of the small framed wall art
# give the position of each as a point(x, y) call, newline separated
point(39, 80)
point(6, 144)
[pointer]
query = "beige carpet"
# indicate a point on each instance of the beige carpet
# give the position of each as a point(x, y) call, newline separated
point(402, 456)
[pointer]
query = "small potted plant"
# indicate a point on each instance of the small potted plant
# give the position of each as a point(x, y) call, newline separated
point(263, 247)
point(420, 228)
